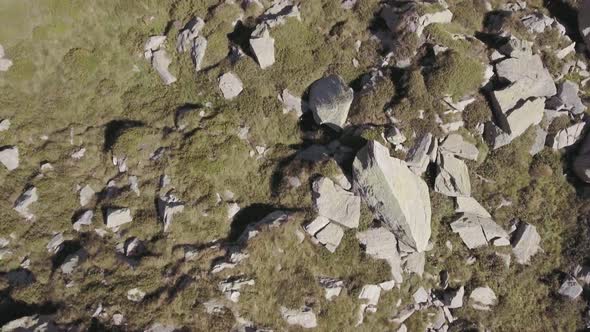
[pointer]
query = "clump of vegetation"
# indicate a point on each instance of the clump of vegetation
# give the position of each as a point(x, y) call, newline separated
point(370, 104)
point(476, 113)
point(455, 75)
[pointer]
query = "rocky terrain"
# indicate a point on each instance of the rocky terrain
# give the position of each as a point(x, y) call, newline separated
point(289, 165)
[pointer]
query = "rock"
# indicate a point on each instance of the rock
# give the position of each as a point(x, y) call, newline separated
point(525, 243)
point(302, 317)
point(117, 217)
point(168, 206)
point(483, 298)
point(469, 205)
point(292, 103)
point(387, 285)
point(329, 100)
point(403, 315)
point(263, 45)
point(421, 154)
point(370, 297)
point(86, 195)
point(153, 44)
point(187, 35)
point(567, 137)
point(232, 210)
point(539, 143)
point(118, 319)
point(561, 54)
point(9, 157)
point(420, 296)
point(583, 274)
point(537, 22)
point(24, 201)
point(455, 144)
point(397, 196)
point(567, 98)
point(85, 219)
point(476, 231)
point(394, 136)
point(5, 64)
point(135, 295)
point(231, 287)
point(272, 220)
point(72, 261)
point(506, 258)
point(133, 247)
point(157, 327)
point(230, 85)
point(279, 12)
point(425, 20)
point(214, 306)
point(453, 177)
point(335, 203)
point(380, 243)
point(327, 233)
point(78, 154)
point(570, 288)
point(584, 21)
point(332, 287)
point(517, 122)
point(34, 323)
point(160, 62)
point(517, 48)
point(453, 299)
point(198, 51)
point(4, 123)
point(56, 243)
point(414, 263)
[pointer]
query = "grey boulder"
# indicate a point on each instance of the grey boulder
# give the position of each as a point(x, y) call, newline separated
point(335, 203)
point(476, 231)
point(483, 298)
point(9, 157)
point(329, 100)
point(457, 145)
point(24, 201)
point(453, 177)
point(263, 46)
point(570, 288)
point(380, 243)
point(525, 243)
point(397, 196)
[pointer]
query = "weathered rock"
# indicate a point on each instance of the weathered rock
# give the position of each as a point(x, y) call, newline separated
point(455, 144)
point(476, 231)
point(421, 154)
point(263, 46)
point(483, 298)
point(539, 143)
point(230, 85)
point(302, 317)
point(525, 243)
point(9, 157)
point(329, 100)
point(24, 201)
point(153, 44)
point(135, 295)
point(160, 62)
point(394, 136)
point(168, 206)
point(117, 217)
point(5, 64)
point(469, 205)
point(187, 35)
point(568, 136)
point(517, 122)
point(397, 196)
point(72, 261)
point(86, 195)
point(369, 296)
point(567, 98)
point(327, 233)
point(157, 327)
point(271, 220)
point(231, 287)
point(198, 51)
point(570, 288)
point(4, 124)
point(34, 323)
point(279, 12)
point(380, 243)
point(584, 21)
point(56, 243)
point(332, 287)
point(292, 103)
point(85, 219)
point(517, 48)
point(564, 52)
point(453, 177)
point(537, 22)
point(453, 299)
point(335, 203)
point(582, 273)
point(420, 296)
point(414, 263)
point(445, 16)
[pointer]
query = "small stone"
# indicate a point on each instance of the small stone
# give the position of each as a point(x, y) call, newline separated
point(198, 51)
point(302, 317)
point(469, 205)
point(79, 154)
point(118, 217)
point(263, 45)
point(420, 155)
point(160, 62)
point(332, 287)
point(570, 288)
point(292, 103)
point(525, 243)
point(568, 136)
point(9, 157)
point(476, 231)
point(231, 287)
point(84, 220)
point(24, 201)
point(539, 143)
point(329, 100)
point(335, 203)
point(86, 195)
point(230, 85)
point(414, 263)
point(483, 298)
point(135, 295)
point(118, 319)
point(4, 124)
point(453, 177)
point(72, 261)
point(330, 236)
point(455, 144)
point(561, 54)
point(168, 206)
point(420, 296)
point(232, 210)
point(188, 34)
point(56, 243)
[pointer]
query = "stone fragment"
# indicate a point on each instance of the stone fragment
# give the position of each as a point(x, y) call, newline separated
point(584, 21)
point(9, 157)
point(335, 203)
point(56, 243)
point(117, 217)
point(153, 44)
point(420, 155)
point(34, 323)
point(517, 48)
point(455, 144)
point(420, 296)
point(427, 19)
point(564, 52)
point(539, 143)
point(272, 220)
point(483, 298)
point(329, 100)
point(232, 210)
point(469, 205)
point(135, 295)
point(231, 287)
point(414, 263)
point(567, 137)
point(198, 51)
point(453, 177)
point(397, 196)
point(5, 63)
point(332, 287)
point(380, 243)
point(301, 317)
point(168, 206)
point(370, 297)
point(4, 124)
point(187, 35)
point(525, 243)
point(279, 12)
point(230, 85)
point(568, 98)
point(86, 195)
point(581, 165)
point(24, 201)
point(517, 122)
point(537, 22)
point(394, 136)
point(72, 261)
point(157, 327)
point(263, 45)
point(85, 219)
point(160, 62)
point(570, 288)
point(476, 231)
point(292, 103)
point(330, 236)
point(453, 299)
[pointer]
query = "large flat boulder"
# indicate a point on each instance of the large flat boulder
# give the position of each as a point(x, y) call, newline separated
point(515, 123)
point(397, 196)
point(329, 100)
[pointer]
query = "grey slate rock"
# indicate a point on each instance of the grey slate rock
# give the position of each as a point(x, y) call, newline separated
point(263, 45)
point(525, 243)
point(329, 100)
point(380, 243)
point(570, 288)
point(9, 157)
point(335, 203)
point(453, 177)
